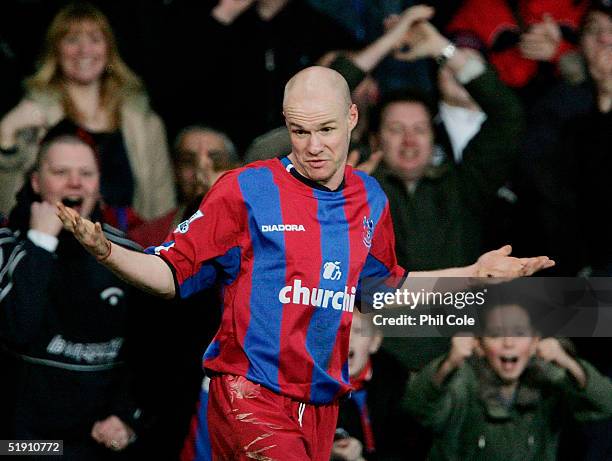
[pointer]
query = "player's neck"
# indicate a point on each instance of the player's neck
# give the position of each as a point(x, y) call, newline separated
point(333, 184)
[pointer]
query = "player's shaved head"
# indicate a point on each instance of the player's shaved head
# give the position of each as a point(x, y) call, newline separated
point(316, 82)
point(320, 117)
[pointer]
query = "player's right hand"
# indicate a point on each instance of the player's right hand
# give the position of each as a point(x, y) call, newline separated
point(88, 234)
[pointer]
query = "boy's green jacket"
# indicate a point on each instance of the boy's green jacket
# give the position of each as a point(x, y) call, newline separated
point(470, 423)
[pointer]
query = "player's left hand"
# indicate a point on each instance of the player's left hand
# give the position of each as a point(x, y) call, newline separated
point(113, 433)
point(500, 265)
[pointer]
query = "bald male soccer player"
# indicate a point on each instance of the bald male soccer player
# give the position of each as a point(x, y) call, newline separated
point(290, 239)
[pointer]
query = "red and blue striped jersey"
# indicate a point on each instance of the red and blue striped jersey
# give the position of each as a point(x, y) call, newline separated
point(290, 258)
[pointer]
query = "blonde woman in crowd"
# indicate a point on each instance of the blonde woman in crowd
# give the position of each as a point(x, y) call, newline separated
point(82, 80)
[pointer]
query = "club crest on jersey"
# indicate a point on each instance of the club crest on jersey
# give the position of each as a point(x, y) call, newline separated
point(368, 231)
point(331, 270)
point(184, 226)
point(282, 228)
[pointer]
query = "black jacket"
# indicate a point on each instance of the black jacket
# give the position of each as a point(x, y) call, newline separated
point(64, 325)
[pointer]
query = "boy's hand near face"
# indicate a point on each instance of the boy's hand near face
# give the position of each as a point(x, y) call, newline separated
point(462, 348)
point(550, 350)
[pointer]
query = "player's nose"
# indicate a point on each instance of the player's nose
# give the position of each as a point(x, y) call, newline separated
point(315, 145)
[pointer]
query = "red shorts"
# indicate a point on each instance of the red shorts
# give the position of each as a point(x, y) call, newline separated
point(247, 421)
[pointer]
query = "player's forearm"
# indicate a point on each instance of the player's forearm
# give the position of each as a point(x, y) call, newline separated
point(144, 271)
point(465, 271)
point(427, 280)
point(454, 279)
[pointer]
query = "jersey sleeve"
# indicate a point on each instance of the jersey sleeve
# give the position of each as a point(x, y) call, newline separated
point(381, 262)
point(207, 245)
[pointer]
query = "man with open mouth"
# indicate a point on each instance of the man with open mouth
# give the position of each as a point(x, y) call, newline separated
point(65, 328)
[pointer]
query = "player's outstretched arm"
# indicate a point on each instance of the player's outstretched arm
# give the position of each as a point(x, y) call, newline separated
point(144, 271)
point(497, 265)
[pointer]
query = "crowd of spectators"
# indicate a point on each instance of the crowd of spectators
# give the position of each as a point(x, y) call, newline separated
point(130, 113)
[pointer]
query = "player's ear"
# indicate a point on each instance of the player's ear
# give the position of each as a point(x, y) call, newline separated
point(353, 116)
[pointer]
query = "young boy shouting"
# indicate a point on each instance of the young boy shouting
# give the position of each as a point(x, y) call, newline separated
point(505, 395)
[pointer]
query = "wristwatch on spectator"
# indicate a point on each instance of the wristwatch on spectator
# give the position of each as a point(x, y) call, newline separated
point(446, 53)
